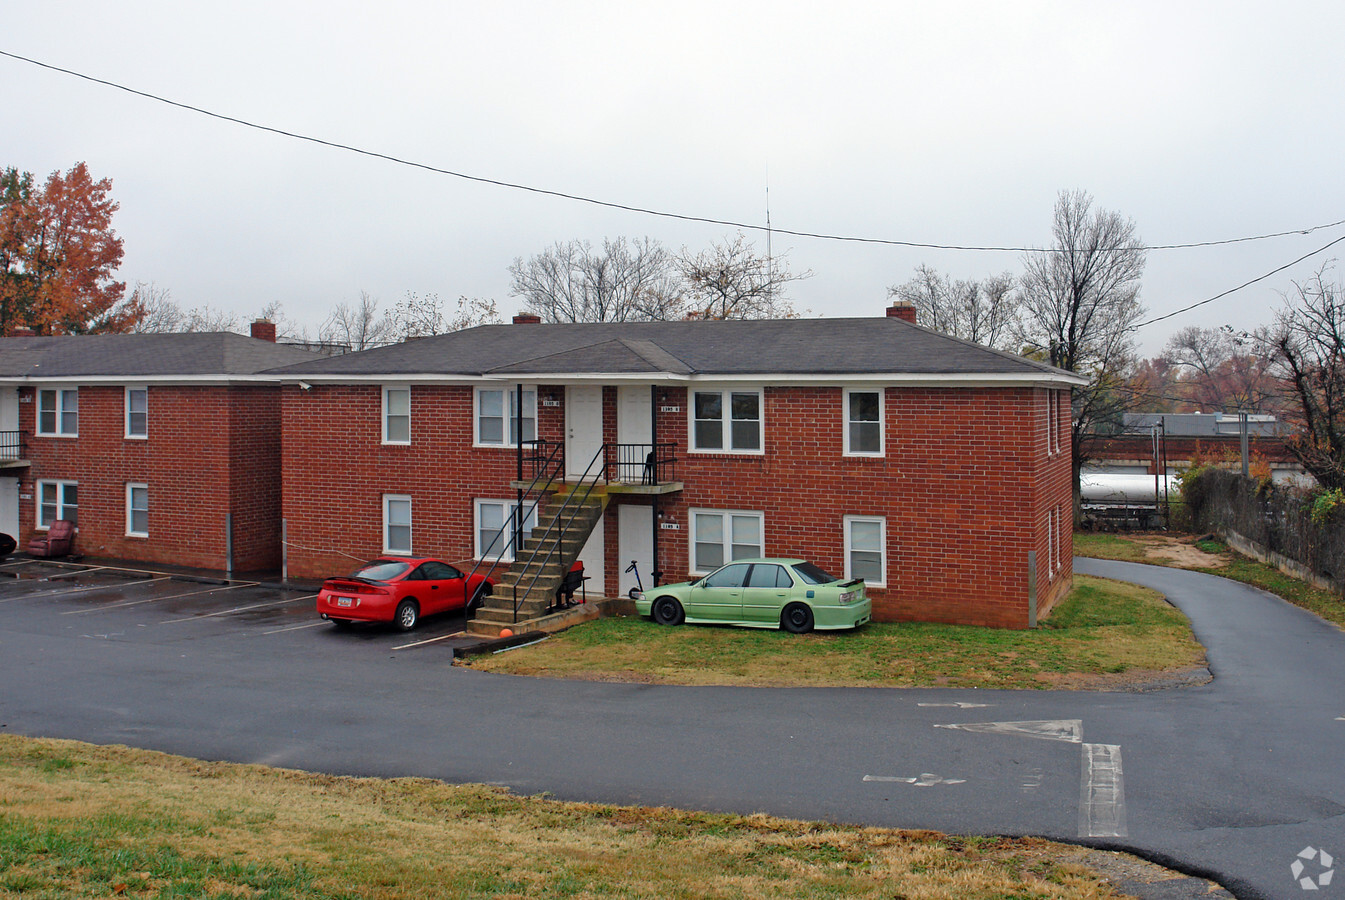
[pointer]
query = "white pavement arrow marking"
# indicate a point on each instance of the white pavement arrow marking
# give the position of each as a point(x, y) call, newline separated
point(959, 705)
point(1069, 730)
point(926, 779)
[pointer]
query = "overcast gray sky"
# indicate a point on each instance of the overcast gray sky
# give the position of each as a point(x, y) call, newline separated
point(943, 123)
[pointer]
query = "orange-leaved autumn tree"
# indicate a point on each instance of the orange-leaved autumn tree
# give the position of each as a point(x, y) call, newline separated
point(58, 253)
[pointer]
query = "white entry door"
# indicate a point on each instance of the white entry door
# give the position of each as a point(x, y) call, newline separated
point(9, 507)
point(635, 541)
point(583, 428)
point(594, 558)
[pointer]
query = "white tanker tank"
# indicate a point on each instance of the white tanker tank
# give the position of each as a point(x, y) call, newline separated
point(1116, 497)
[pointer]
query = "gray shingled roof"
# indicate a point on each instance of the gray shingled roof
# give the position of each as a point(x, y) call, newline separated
point(200, 354)
point(824, 347)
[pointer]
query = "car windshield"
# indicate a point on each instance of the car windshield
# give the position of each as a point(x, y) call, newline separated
point(380, 570)
point(813, 574)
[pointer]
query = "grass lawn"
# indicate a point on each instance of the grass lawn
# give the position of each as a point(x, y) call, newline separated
point(77, 820)
point(1104, 634)
point(1222, 560)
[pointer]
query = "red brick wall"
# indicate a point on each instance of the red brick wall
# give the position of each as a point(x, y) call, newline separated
point(964, 486)
point(210, 450)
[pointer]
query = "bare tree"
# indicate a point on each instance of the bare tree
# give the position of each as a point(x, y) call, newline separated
point(358, 325)
point(416, 316)
point(731, 280)
point(1080, 302)
point(162, 314)
point(1221, 369)
point(571, 282)
point(983, 312)
point(1308, 341)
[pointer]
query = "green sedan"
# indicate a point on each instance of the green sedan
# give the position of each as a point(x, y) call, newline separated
point(792, 594)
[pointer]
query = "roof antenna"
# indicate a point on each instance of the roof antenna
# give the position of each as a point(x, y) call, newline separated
point(770, 260)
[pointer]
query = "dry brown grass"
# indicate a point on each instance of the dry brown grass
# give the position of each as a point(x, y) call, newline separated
point(78, 820)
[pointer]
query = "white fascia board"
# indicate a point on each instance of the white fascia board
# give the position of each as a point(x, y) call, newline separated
point(142, 379)
point(904, 379)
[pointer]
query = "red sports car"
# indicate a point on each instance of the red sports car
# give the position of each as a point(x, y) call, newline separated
point(400, 591)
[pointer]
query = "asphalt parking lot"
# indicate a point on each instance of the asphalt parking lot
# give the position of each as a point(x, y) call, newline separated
point(106, 602)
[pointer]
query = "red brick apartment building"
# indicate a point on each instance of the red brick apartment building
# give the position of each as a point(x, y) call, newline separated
point(164, 448)
point(936, 469)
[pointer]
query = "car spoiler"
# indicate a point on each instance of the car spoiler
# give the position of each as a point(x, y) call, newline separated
point(855, 583)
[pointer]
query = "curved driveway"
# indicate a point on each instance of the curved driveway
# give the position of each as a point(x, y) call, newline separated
point(1231, 780)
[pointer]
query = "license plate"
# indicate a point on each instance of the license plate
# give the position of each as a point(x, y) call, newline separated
point(345, 601)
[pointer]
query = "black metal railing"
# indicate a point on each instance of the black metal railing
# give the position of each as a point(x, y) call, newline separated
point(572, 504)
point(547, 461)
point(640, 463)
point(11, 445)
point(541, 457)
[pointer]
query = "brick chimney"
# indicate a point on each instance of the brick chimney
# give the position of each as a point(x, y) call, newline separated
point(263, 330)
point(527, 319)
point(903, 311)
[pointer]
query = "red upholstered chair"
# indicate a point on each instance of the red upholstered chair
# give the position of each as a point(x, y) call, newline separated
point(57, 542)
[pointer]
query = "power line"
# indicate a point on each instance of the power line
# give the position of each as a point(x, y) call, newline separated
point(1223, 294)
point(745, 226)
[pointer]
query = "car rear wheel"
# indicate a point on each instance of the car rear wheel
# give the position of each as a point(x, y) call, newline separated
point(407, 615)
point(477, 597)
point(341, 624)
point(797, 619)
point(668, 611)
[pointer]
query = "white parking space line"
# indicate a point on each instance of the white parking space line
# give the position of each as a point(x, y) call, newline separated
point(295, 627)
point(125, 603)
point(236, 609)
point(76, 572)
point(434, 640)
point(83, 590)
point(1102, 806)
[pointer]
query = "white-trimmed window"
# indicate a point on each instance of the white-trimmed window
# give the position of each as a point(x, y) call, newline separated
point(56, 500)
point(137, 510)
point(397, 524)
point(866, 549)
point(396, 415)
point(137, 412)
point(719, 536)
point(495, 528)
point(58, 412)
point(497, 416)
point(1054, 519)
point(727, 421)
point(1052, 422)
point(864, 423)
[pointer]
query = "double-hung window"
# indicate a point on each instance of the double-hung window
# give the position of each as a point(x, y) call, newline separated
point(137, 412)
point(866, 549)
point(726, 420)
point(497, 418)
point(396, 415)
point(864, 423)
point(58, 412)
point(397, 524)
point(56, 500)
point(137, 510)
point(721, 536)
point(495, 526)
